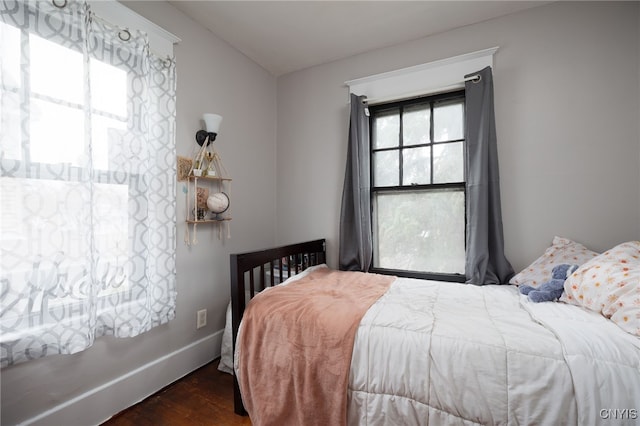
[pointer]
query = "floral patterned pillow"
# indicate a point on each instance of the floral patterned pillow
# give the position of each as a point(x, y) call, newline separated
point(562, 250)
point(610, 284)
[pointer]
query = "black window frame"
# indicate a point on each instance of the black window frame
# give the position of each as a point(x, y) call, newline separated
point(401, 105)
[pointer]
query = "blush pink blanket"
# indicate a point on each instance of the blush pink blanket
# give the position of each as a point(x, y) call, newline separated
point(296, 343)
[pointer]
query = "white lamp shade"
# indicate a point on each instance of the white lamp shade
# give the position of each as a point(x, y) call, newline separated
point(212, 122)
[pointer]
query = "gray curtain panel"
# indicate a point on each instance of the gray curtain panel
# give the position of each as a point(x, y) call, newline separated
point(355, 216)
point(485, 259)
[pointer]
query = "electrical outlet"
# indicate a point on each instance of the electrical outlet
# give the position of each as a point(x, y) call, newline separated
point(202, 318)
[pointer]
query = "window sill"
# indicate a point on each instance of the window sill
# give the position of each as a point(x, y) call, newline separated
point(454, 278)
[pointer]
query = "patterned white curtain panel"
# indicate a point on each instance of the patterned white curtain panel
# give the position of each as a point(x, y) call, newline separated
point(87, 191)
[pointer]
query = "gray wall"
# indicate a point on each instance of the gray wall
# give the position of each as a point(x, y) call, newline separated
point(567, 103)
point(212, 77)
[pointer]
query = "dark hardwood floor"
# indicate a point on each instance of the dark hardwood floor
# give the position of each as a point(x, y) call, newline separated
point(204, 397)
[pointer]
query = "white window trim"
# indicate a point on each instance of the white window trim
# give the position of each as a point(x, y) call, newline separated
point(424, 79)
point(161, 41)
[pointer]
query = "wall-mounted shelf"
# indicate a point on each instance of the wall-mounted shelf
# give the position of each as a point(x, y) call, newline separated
point(197, 210)
point(213, 178)
point(208, 220)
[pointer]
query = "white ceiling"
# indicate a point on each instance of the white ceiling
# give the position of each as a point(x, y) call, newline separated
point(285, 36)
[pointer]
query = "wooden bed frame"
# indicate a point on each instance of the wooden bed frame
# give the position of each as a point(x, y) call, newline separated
point(262, 269)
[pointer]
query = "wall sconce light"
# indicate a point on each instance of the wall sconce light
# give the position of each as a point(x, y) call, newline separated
point(212, 126)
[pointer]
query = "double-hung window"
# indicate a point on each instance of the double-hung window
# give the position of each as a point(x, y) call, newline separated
point(87, 181)
point(418, 187)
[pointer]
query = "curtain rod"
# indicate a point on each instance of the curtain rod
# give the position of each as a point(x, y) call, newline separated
point(473, 78)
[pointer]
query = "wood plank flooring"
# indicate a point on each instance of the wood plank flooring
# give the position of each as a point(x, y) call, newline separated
point(204, 397)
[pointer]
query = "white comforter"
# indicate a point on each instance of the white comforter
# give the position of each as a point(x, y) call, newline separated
point(433, 353)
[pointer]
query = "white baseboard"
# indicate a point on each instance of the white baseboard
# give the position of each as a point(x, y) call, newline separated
point(101, 403)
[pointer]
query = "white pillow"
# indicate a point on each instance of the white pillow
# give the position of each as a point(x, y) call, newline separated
point(610, 284)
point(562, 250)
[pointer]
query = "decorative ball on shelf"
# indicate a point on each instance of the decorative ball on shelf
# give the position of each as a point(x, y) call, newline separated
point(218, 202)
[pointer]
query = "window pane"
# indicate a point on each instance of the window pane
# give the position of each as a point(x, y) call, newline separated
point(111, 228)
point(56, 71)
point(416, 163)
point(107, 145)
point(448, 121)
point(59, 211)
point(415, 125)
point(56, 221)
point(10, 125)
point(448, 163)
point(386, 168)
point(9, 56)
point(108, 88)
point(420, 231)
point(386, 129)
point(10, 118)
point(56, 134)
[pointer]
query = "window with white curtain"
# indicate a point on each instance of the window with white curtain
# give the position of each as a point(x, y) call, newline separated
point(87, 155)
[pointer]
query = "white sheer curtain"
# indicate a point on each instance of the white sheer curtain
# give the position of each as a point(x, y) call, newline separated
point(87, 155)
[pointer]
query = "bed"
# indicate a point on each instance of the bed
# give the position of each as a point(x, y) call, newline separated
point(423, 352)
